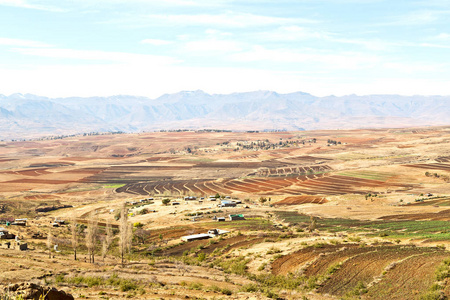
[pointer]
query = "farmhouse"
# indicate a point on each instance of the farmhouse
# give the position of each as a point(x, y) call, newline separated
point(19, 223)
point(214, 232)
point(60, 222)
point(194, 237)
point(236, 217)
point(227, 203)
point(4, 234)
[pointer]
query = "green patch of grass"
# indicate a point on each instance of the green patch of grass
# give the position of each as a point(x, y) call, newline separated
point(432, 230)
point(113, 186)
point(248, 224)
point(237, 265)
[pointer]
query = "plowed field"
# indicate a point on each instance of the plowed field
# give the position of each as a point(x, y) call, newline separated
point(296, 200)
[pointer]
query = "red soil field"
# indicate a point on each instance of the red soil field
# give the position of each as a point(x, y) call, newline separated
point(296, 200)
point(431, 166)
point(39, 181)
point(438, 216)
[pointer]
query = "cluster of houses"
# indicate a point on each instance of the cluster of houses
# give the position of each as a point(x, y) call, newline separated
point(235, 217)
point(6, 235)
point(145, 200)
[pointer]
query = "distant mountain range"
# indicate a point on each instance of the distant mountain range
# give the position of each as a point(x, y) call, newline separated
point(26, 116)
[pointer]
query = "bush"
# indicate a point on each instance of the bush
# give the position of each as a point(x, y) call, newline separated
point(138, 225)
point(226, 291)
point(249, 288)
point(195, 286)
point(127, 285)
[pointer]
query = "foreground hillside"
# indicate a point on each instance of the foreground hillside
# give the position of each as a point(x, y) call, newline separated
point(311, 214)
point(25, 116)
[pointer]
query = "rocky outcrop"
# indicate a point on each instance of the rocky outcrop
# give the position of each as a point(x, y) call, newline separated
point(50, 208)
point(33, 291)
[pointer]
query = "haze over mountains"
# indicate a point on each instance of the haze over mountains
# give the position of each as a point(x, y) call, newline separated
point(26, 116)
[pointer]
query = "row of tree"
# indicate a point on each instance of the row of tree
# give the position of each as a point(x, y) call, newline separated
point(92, 236)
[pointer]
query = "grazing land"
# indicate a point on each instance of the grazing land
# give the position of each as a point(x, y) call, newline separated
point(328, 214)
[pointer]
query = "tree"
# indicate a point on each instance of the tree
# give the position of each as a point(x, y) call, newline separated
point(50, 238)
point(91, 237)
point(312, 224)
point(262, 200)
point(142, 235)
point(126, 234)
point(166, 201)
point(107, 240)
point(74, 237)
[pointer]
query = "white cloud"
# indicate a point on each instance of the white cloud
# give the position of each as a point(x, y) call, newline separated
point(228, 19)
point(213, 46)
point(330, 60)
point(29, 5)
point(418, 18)
point(22, 43)
point(291, 33)
point(156, 42)
point(120, 57)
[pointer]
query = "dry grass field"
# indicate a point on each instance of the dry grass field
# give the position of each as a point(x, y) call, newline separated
point(355, 214)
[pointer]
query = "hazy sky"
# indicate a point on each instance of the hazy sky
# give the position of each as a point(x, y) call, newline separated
point(148, 47)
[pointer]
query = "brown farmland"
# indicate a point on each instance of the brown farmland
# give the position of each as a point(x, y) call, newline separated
point(360, 218)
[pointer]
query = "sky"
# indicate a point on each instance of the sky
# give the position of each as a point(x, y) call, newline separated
point(62, 48)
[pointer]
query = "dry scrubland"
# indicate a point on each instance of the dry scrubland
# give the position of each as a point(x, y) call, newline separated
point(328, 214)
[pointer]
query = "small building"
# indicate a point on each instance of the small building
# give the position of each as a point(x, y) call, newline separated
point(220, 219)
point(236, 217)
point(54, 224)
point(215, 232)
point(23, 247)
point(60, 222)
point(143, 200)
point(175, 203)
point(19, 223)
point(5, 235)
point(227, 203)
point(195, 237)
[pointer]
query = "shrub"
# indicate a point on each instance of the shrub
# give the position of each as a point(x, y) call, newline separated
point(127, 285)
point(249, 288)
point(195, 286)
point(138, 225)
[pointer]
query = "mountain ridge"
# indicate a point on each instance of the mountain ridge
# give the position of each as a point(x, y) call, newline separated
point(27, 115)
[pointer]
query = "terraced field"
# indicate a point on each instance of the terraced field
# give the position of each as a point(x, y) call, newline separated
point(385, 271)
point(372, 264)
point(296, 200)
point(431, 166)
point(321, 184)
